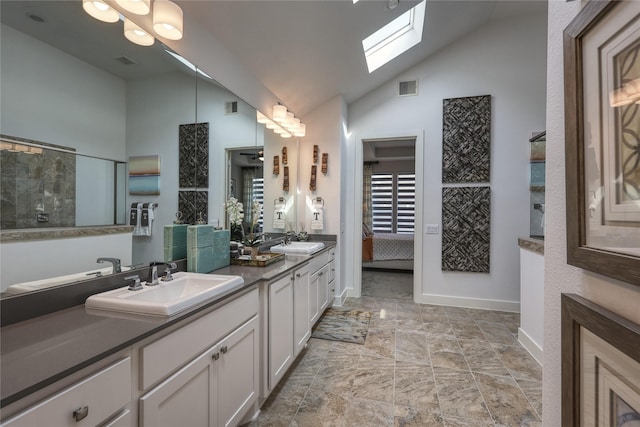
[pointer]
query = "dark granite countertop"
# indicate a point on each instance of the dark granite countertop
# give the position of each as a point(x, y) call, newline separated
point(532, 244)
point(40, 351)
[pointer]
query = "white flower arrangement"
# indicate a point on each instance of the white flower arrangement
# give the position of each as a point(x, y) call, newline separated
point(235, 211)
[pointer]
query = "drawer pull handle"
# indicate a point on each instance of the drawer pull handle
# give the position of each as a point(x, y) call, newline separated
point(223, 350)
point(81, 413)
point(216, 356)
point(320, 274)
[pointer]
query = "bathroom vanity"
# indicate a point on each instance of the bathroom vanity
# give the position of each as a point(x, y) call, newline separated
point(213, 364)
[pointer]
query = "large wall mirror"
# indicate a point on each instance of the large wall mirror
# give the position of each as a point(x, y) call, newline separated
point(73, 81)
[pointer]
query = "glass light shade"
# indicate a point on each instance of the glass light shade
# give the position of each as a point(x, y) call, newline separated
point(167, 19)
point(289, 119)
point(632, 89)
point(619, 98)
point(271, 125)
point(285, 135)
point(279, 113)
point(261, 118)
point(278, 130)
point(138, 7)
point(100, 10)
point(302, 131)
point(294, 125)
point(137, 35)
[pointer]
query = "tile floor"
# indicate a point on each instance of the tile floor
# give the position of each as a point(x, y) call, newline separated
point(421, 365)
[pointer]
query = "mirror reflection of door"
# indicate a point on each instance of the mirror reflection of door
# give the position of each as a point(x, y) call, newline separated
point(245, 183)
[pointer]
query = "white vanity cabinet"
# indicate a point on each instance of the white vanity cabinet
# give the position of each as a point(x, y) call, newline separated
point(214, 360)
point(99, 399)
point(279, 337)
point(301, 309)
point(217, 388)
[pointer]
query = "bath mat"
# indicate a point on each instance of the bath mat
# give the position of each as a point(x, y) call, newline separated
point(343, 324)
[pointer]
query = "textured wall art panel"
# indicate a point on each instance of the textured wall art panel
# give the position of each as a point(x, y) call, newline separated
point(191, 204)
point(193, 160)
point(466, 139)
point(466, 219)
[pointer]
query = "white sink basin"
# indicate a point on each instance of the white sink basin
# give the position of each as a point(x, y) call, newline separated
point(167, 298)
point(304, 248)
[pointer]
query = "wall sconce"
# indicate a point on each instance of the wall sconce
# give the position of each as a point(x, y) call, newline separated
point(137, 35)
point(100, 10)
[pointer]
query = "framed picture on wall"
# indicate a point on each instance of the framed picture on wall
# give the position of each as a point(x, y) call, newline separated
point(144, 175)
point(602, 137)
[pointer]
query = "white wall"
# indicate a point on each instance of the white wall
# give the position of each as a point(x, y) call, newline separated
point(560, 277)
point(505, 59)
point(273, 145)
point(530, 332)
point(50, 96)
point(157, 106)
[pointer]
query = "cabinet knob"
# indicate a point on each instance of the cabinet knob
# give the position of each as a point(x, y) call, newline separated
point(321, 273)
point(223, 350)
point(297, 274)
point(81, 413)
point(216, 356)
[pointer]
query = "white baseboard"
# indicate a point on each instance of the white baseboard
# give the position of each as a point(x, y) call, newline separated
point(486, 304)
point(530, 345)
point(339, 300)
point(351, 293)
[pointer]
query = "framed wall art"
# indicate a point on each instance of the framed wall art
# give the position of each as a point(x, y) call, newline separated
point(602, 137)
point(600, 366)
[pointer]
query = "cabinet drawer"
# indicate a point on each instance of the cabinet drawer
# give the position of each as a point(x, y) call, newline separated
point(318, 261)
point(99, 396)
point(166, 355)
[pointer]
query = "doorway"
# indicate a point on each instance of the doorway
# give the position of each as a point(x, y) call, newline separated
point(388, 182)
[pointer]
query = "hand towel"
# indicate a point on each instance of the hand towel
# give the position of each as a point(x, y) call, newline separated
point(279, 214)
point(317, 215)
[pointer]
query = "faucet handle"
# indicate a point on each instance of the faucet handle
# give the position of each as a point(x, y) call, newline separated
point(135, 286)
point(167, 271)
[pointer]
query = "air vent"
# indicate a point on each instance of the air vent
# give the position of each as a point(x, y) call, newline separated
point(125, 60)
point(231, 107)
point(408, 88)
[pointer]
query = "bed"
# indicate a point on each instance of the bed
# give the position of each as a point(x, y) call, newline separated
point(388, 250)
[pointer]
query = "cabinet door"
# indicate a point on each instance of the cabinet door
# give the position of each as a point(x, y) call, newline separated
point(323, 289)
point(238, 373)
point(280, 329)
point(301, 328)
point(187, 398)
point(314, 299)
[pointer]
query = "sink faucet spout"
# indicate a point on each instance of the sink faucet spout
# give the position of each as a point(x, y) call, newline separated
point(114, 261)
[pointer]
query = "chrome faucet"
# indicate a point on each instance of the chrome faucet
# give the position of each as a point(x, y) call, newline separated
point(115, 261)
point(136, 285)
point(167, 271)
point(154, 273)
point(287, 237)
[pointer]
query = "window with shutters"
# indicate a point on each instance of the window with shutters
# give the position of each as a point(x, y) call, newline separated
point(393, 202)
point(258, 195)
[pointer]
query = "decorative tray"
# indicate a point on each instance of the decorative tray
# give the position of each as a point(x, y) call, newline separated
point(263, 259)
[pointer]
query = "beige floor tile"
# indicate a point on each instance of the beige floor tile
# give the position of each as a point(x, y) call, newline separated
point(412, 347)
point(482, 357)
point(364, 412)
point(533, 391)
point(519, 362)
point(321, 408)
point(507, 404)
point(374, 383)
point(380, 343)
point(465, 329)
point(405, 416)
point(459, 396)
point(497, 333)
point(415, 387)
point(445, 352)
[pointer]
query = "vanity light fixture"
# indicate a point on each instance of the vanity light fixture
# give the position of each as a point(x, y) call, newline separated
point(100, 10)
point(279, 113)
point(167, 19)
point(138, 7)
point(261, 118)
point(302, 130)
point(137, 35)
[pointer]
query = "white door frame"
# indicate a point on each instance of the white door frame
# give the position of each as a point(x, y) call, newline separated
point(356, 243)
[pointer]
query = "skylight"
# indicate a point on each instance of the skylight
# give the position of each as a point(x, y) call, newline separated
point(188, 64)
point(395, 38)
